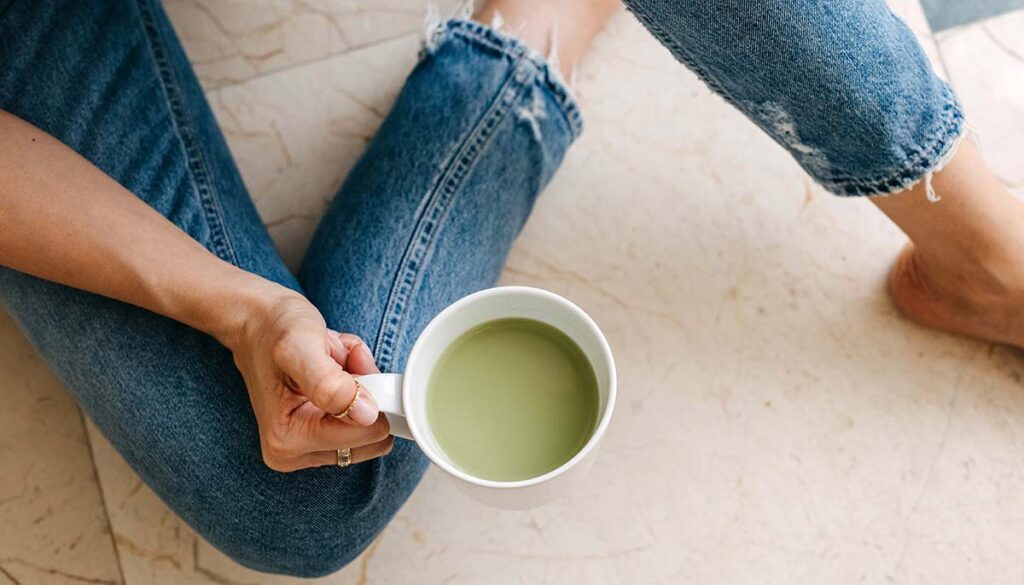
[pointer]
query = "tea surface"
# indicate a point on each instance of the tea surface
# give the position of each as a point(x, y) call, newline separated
point(512, 399)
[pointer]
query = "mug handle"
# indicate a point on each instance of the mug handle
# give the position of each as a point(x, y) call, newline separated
point(387, 390)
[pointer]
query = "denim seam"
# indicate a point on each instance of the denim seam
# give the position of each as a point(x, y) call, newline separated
point(926, 159)
point(438, 202)
point(929, 155)
point(482, 35)
point(196, 163)
point(681, 55)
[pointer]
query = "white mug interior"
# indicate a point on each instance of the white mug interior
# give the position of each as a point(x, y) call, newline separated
point(489, 305)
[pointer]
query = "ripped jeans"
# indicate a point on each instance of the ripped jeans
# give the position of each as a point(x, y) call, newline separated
point(843, 85)
point(426, 216)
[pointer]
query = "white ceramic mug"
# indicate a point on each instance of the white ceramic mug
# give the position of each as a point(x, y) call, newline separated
point(403, 397)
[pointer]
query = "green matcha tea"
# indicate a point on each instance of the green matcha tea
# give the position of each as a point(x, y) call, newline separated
point(512, 399)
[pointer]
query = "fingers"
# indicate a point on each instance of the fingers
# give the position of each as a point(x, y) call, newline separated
point(309, 362)
point(358, 455)
point(333, 433)
point(333, 390)
point(363, 395)
point(289, 456)
point(353, 354)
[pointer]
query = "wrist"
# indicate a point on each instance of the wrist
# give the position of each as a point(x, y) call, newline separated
point(221, 300)
point(248, 297)
point(209, 294)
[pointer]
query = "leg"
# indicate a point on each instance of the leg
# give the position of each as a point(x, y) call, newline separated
point(430, 211)
point(561, 30)
point(110, 80)
point(842, 85)
point(964, 271)
point(846, 89)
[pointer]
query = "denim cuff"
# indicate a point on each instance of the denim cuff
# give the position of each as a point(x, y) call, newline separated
point(921, 162)
point(491, 39)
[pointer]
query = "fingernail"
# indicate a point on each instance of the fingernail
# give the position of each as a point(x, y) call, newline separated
point(364, 411)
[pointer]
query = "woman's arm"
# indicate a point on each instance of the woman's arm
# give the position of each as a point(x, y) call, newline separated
point(62, 219)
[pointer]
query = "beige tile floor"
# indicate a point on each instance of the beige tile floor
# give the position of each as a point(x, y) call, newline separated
point(779, 421)
point(53, 524)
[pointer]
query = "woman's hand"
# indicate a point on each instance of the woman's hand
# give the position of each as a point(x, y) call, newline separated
point(119, 247)
point(299, 374)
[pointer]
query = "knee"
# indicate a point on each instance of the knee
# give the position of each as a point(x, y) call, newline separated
point(301, 543)
point(312, 554)
point(314, 522)
point(879, 147)
point(302, 540)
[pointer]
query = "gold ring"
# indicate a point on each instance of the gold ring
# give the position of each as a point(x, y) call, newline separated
point(344, 457)
point(359, 393)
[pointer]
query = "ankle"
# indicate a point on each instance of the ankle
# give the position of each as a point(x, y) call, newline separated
point(976, 275)
point(561, 31)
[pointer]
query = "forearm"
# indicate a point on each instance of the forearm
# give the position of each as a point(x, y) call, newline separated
point(62, 219)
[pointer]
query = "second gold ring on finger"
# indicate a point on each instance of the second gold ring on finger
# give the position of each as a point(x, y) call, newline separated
point(344, 457)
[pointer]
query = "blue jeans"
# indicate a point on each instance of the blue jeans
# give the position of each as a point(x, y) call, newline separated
point(841, 84)
point(426, 216)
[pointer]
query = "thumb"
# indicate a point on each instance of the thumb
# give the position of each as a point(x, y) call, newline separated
point(325, 383)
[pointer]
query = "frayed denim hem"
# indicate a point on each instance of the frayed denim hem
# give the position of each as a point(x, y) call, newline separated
point(929, 159)
point(491, 38)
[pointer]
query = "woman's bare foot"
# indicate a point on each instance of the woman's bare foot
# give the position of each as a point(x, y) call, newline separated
point(964, 271)
point(952, 302)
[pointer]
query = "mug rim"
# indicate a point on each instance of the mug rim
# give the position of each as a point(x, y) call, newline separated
point(595, 436)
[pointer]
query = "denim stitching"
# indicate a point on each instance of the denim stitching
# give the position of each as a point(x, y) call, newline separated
point(951, 118)
point(194, 159)
point(482, 35)
point(680, 54)
point(438, 203)
point(912, 168)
